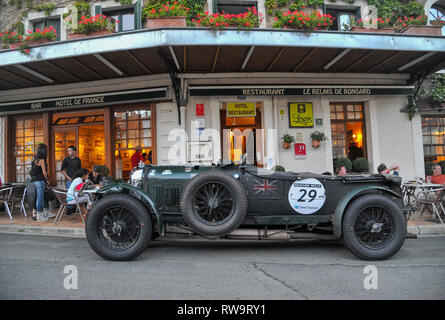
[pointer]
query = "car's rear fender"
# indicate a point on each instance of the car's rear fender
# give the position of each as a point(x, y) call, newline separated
point(343, 203)
point(133, 191)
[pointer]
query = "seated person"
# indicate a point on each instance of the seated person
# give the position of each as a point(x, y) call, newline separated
point(75, 187)
point(342, 171)
point(94, 176)
point(382, 169)
point(437, 177)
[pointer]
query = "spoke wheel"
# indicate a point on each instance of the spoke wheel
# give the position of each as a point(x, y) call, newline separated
point(213, 203)
point(118, 229)
point(374, 227)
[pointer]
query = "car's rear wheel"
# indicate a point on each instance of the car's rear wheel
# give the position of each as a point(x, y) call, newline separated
point(374, 227)
point(214, 203)
point(118, 228)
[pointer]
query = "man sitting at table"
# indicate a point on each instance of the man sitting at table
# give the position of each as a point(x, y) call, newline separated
point(437, 177)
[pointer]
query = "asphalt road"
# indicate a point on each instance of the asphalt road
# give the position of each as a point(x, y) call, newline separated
point(32, 267)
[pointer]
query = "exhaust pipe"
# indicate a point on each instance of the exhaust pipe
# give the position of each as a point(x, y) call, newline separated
point(263, 234)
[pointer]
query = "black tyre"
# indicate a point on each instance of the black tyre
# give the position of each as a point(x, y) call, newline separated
point(374, 227)
point(213, 203)
point(118, 227)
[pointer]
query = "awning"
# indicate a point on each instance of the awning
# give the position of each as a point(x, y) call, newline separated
point(198, 50)
point(70, 102)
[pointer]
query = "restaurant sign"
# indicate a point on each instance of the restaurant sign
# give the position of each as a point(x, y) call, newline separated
point(241, 109)
point(300, 90)
point(108, 98)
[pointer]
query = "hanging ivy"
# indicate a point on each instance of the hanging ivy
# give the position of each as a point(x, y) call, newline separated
point(47, 8)
point(437, 93)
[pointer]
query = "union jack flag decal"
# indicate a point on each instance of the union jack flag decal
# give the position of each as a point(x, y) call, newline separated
point(265, 188)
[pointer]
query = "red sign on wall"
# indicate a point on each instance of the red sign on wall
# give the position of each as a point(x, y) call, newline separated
point(300, 150)
point(200, 110)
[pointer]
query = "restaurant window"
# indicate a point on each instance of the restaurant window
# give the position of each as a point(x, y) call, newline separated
point(342, 17)
point(133, 130)
point(347, 130)
point(234, 7)
point(28, 134)
point(46, 23)
point(433, 132)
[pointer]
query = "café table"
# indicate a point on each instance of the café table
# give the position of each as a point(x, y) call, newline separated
point(412, 189)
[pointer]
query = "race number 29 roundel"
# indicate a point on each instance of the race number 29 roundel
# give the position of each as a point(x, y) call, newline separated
point(307, 196)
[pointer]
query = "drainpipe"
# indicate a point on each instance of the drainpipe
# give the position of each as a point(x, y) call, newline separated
point(275, 120)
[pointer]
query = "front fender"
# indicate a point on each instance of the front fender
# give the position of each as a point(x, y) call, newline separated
point(341, 206)
point(119, 188)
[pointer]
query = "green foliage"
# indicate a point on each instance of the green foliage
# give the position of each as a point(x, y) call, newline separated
point(360, 165)
point(16, 3)
point(319, 136)
point(24, 14)
point(343, 162)
point(288, 138)
point(95, 23)
point(437, 93)
point(19, 27)
point(389, 11)
point(124, 2)
point(168, 9)
point(293, 5)
point(279, 168)
point(47, 8)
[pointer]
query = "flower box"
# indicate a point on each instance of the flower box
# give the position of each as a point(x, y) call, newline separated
point(151, 23)
point(73, 36)
point(37, 42)
point(362, 29)
point(429, 30)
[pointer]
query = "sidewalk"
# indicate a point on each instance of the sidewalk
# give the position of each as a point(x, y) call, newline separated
point(72, 226)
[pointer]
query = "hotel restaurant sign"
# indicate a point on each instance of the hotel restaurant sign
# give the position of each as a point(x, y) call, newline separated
point(300, 91)
point(83, 101)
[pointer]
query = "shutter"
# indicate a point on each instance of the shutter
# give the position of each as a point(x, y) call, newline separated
point(138, 15)
point(97, 10)
point(214, 6)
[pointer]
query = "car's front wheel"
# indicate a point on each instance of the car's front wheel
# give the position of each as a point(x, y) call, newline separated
point(374, 227)
point(118, 228)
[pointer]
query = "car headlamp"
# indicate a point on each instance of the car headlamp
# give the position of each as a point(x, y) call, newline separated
point(136, 177)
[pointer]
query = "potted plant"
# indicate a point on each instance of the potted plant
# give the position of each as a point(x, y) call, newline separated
point(317, 137)
point(218, 21)
point(159, 15)
point(343, 162)
point(287, 140)
point(22, 43)
point(97, 25)
point(360, 165)
point(301, 20)
point(364, 26)
point(416, 26)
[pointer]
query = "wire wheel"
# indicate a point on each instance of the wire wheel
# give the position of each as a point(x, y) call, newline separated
point(213, 203)
point(374, 227)
point(118, 229)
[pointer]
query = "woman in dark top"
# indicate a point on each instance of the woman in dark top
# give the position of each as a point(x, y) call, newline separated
point(39, 176)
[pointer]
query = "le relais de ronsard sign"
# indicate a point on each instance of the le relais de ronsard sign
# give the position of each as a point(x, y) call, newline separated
point(299, 91)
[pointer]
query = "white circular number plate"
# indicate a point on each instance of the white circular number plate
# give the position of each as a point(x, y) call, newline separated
point(307, 196)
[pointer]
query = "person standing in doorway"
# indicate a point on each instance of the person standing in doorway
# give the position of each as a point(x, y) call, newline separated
point(71, 165)
point(136, 158)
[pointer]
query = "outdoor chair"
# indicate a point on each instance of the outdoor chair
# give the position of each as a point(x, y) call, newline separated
point(4, 199)
point(61, 198)
point(17, 196)
point(433, 198)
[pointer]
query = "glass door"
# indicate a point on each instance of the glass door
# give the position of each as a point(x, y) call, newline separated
point(63, 138)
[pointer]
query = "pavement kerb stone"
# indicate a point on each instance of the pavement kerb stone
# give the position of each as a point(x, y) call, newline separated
point(436, 229)
point(39, 230)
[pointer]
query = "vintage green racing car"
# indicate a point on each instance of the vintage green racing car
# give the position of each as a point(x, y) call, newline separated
point(240, 201)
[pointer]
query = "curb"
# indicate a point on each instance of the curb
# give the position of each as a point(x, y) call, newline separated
point(38, 230)
point(437, 229)
point(80, 232)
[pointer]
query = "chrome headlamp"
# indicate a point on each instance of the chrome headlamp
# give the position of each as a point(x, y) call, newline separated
point(136, 177)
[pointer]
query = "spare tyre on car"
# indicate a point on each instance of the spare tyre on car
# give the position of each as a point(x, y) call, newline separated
point(213, 203)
